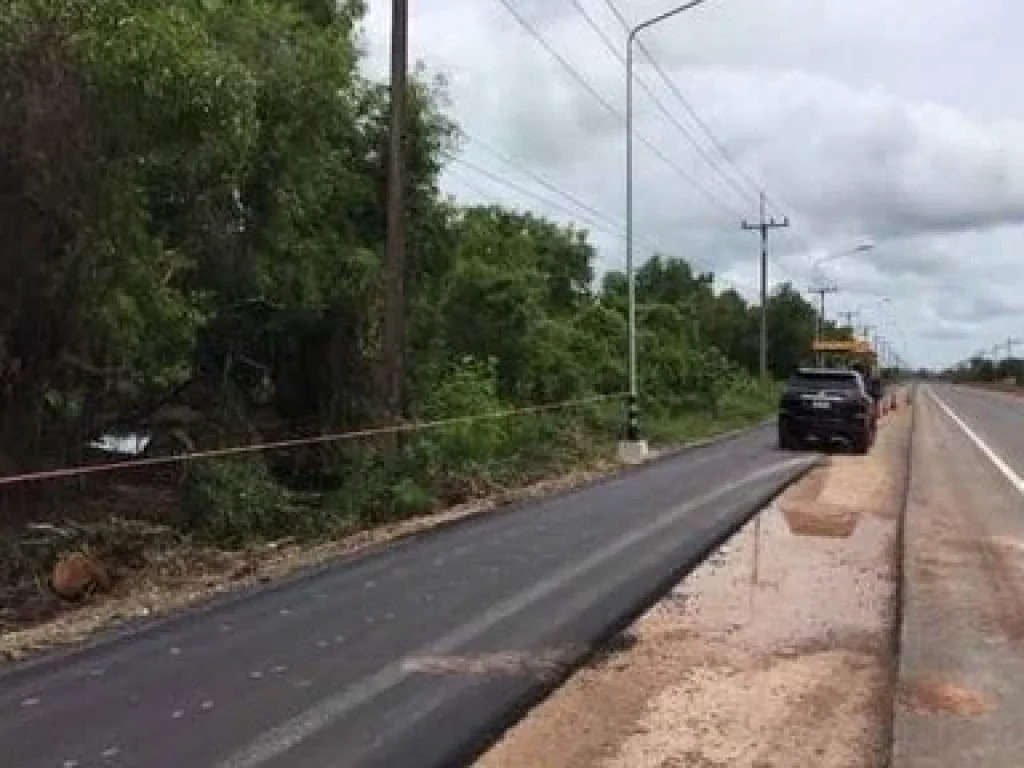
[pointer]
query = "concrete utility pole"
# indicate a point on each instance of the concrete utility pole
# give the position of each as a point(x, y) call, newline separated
point(763, 226)
point(394, 257)
point(819, 324)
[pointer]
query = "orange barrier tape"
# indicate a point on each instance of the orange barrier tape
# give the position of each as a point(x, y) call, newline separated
point(238, 450)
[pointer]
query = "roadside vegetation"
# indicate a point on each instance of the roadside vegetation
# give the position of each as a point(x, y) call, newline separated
point(192, 223)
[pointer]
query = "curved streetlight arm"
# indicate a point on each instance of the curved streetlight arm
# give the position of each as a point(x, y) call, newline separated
point(660, 18)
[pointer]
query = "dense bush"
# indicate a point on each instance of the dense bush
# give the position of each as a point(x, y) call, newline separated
point(164, 163)
point(232, 500)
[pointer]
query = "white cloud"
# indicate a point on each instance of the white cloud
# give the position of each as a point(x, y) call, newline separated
point(874, 120)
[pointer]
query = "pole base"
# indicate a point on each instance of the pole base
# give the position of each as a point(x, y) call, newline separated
point(633, 451)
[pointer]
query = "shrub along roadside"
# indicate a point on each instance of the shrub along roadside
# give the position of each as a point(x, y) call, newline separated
point(230, 510)
point(233, 501)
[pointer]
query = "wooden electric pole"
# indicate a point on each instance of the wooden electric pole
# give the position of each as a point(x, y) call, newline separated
point(763, 226)
point(394, 257)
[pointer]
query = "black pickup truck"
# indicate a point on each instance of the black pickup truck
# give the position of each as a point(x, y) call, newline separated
point(829, 405)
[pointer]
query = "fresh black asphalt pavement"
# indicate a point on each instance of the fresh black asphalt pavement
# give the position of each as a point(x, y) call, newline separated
point(415, 655)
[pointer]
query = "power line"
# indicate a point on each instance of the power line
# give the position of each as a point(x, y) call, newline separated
point(600, 99)
point(711, 161)
point(758, 186)
point(610, 228)
point(593, 211)
point(690, 110)
point(523, 168)
point(607, 226)
point(604, 224)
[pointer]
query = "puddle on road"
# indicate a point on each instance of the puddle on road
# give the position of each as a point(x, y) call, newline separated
point(803, 571)
point(812, 518)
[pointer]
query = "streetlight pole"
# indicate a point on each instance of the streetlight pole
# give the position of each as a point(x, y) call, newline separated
point(633, 413)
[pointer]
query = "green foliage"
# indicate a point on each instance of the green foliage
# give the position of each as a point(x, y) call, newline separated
point(233, 500)
point(457, 457)
point(192, 209)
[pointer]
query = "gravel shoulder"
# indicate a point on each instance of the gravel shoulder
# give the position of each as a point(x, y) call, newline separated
point(777, 651)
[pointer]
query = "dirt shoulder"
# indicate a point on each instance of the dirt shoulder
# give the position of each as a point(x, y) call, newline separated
point(776, 652)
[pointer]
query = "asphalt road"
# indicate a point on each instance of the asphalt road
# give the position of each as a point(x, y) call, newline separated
point(416, 655)
point(996, 417)
point(962, 637)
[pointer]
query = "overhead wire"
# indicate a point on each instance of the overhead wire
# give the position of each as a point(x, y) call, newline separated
point(604, 223)
point(596, 222)
point(690, 110)
point(774, 199)
point(755, 187)
point(744, 192)
point(536, 177)
point(611, 109)
point(597, 96)
point(618, 228)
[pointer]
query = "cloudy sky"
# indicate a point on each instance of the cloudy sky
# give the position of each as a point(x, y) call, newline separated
point(895, 123)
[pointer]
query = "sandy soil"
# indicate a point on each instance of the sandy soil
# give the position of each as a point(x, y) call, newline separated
point(776, 652)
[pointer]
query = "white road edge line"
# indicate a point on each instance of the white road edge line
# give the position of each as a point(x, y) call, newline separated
point(286, 736)
point(1002, 466)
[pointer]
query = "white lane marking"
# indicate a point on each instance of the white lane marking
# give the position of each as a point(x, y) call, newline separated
point(992, 456)
point(289, 734)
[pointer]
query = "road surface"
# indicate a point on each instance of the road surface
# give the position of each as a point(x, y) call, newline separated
point(962, 644)
point(415, 655)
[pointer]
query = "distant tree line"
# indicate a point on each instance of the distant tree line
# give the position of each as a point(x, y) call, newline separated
point(985, 369)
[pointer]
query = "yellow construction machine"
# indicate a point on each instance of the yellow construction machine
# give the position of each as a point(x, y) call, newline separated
point(847, 354)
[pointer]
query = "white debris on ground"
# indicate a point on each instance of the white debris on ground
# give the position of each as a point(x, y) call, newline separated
point(776, 652)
